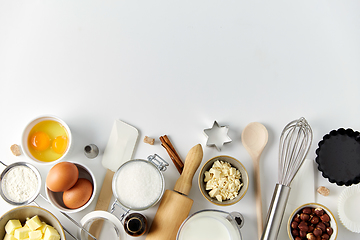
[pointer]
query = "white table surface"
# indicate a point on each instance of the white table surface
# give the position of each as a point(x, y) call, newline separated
point(173, 67)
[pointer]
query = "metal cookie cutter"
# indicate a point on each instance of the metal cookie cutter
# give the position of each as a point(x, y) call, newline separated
point(217, 136)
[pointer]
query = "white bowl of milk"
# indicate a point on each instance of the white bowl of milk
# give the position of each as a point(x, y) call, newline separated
point(211, 224)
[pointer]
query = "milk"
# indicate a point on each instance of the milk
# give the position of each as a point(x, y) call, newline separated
point(208, 225)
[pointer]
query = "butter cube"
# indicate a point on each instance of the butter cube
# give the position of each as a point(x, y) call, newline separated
point(43, 227)
point(51, 234)
point(34, 223)
point(9, 237)
point(22, 233)
point(35, 235)
point(11, 225)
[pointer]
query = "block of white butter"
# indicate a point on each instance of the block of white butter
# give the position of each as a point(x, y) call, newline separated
point(9, 237)
point(11, 225)
point(51, 234)
point(22, 233)
point(34, 223)
point(35, 235)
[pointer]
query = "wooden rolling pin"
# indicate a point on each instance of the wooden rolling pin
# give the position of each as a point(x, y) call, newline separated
point(175, 205)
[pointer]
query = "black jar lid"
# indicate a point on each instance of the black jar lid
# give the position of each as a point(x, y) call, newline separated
point(338, 156)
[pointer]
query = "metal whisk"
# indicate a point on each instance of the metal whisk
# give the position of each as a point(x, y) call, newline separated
point(295, 142)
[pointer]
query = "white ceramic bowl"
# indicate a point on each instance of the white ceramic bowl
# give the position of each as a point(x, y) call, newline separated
point(25, 136)
point(348, 208)
point(56, 198)
point(333, 222)
point(23, 212)
point(234, 163)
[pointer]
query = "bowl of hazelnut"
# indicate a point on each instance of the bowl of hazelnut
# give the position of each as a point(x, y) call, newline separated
point(312, 221)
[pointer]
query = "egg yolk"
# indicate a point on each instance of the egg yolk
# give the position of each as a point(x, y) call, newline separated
point(59, 144)
point(40, 141)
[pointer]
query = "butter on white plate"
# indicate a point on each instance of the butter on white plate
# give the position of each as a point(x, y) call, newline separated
point(302, 191)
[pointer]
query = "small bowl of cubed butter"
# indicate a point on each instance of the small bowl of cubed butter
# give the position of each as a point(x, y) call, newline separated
point(223, 180)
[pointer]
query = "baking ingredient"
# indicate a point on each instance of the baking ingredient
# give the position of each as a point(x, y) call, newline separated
point(40, 141)
point(79, 194)
point(48, 140)
point(149, 140)
point(223, 181)
point(15, 149)
point(59, 144)
point(20, 183)
point(62, 176)
point(311, 223)
point(38, 230)
point(323, 191)
point(211, 227)
point(138, 184)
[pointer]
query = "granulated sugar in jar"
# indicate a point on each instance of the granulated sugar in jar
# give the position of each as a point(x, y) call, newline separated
point(138, 184)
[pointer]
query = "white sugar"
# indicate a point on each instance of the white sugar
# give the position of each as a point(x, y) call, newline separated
point(138, 184)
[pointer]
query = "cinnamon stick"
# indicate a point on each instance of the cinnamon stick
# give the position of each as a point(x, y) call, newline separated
point(166, 143)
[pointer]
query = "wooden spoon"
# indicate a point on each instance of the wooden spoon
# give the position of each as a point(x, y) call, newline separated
point(254, 138)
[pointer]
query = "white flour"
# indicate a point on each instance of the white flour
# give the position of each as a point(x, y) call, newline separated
point(20, 183)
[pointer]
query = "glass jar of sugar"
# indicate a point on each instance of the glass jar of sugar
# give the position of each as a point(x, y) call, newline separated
point(20, 183)
point(139, 184)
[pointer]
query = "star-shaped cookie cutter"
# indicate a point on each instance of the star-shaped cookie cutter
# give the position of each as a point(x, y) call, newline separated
point(217, 136)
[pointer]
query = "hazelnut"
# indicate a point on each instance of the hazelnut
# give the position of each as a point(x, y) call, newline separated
point(310, 236)
point(329, 231)
point(311, 228)
point(307, 210)
point(295, 232)
point(297, 218)
point(294, 224)
point(323, 191)
point(315, 220)
point(319, 211)
point(325, 218)
point(15, 149)
point(303, 226)
point(325, 236)
point(305, 217)
point(321, 226)
point(298, 238)
point(317, 232)
point(302, 234)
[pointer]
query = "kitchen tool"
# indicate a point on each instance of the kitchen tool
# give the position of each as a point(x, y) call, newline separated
point(304, 183)
point(217, 136)
point(111, 225)
point(234, 163)
point(211, 225)
point(119, 150)
point(332, 222)
point(23, 212)
point(254, 138)
point(338, 156)
point(3, 177)
point(295, 142)
point(56, 198)
point(175, 205)
point(348, 208)
point(25, 136)
point(91, 151)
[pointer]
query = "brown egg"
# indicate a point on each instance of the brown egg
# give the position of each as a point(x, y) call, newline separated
point(79, 194)
point(62, 176)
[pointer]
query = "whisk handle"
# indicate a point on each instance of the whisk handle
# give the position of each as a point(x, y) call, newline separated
point(276, 212)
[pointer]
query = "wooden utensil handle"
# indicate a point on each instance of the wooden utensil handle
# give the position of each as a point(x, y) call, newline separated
point(192, 162)
point(102, 203)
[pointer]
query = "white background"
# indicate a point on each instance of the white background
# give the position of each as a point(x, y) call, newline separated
point(173, 67)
